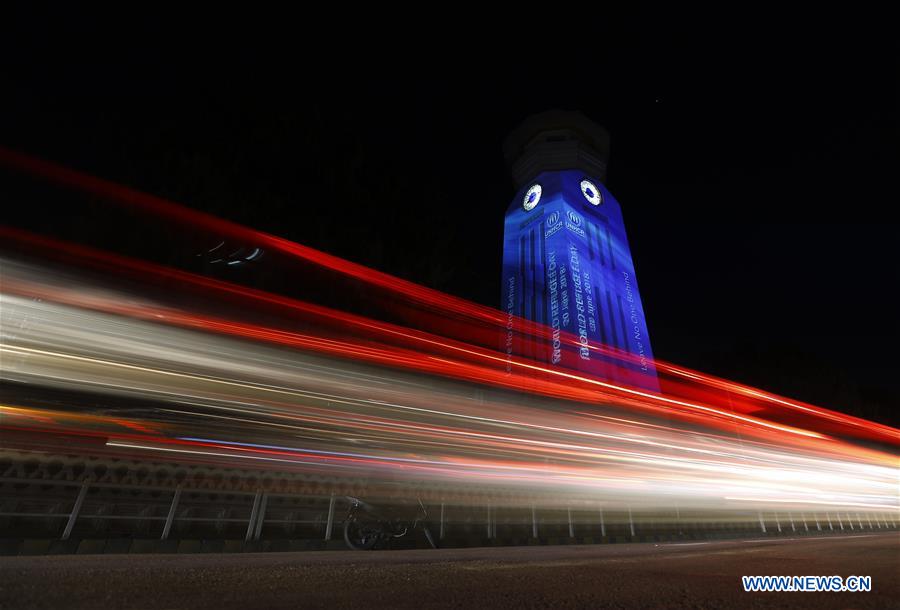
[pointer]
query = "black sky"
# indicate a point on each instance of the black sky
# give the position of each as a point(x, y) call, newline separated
point(758, 186)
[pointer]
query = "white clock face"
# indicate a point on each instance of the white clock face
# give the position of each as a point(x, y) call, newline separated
point(591, 192)
point(532, 197)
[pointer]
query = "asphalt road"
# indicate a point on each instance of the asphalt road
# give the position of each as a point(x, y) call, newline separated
point(673, 575)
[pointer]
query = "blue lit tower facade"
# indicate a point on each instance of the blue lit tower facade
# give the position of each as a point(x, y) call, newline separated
point(566, 261)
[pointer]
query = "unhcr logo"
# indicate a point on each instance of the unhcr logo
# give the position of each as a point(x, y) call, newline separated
point(573, 223)
point(553, 224)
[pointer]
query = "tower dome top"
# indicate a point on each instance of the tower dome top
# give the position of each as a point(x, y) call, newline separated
point(556, 140)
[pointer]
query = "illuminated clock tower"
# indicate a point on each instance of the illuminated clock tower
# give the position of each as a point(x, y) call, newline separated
point(566, 261)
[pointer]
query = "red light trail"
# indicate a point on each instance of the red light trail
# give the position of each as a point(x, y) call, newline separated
point(281, 381)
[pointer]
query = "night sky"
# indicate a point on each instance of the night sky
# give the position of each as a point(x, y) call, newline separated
point(758, 188)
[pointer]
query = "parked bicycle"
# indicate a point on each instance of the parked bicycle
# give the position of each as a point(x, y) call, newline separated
point(367, 527)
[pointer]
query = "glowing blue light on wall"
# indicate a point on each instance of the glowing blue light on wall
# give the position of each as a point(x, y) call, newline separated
point(567, 265)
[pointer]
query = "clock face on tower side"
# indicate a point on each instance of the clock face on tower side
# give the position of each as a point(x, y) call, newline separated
point(532, 197)
point(591, 192)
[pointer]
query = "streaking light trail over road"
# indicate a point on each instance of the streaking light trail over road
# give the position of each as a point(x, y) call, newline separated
point(241, 376)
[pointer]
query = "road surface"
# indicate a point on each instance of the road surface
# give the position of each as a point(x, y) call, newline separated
point(672, 575)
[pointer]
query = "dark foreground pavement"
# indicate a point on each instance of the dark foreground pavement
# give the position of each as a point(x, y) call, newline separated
point(673, 575)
